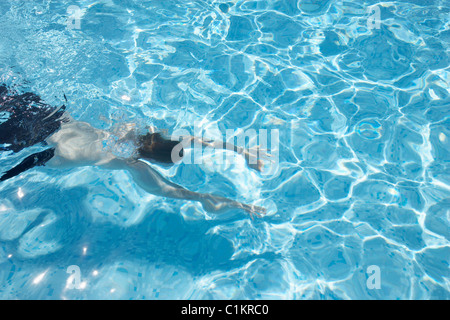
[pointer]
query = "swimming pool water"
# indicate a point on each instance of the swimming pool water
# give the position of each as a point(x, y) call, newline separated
point(360, 101)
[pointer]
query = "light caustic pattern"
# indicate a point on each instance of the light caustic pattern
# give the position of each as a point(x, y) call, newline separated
point(363, 176)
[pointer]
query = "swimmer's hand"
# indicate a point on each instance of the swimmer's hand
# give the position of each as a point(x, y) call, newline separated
point(216, 204)
point(254, 158)
point(255, 164)
point(253, 210)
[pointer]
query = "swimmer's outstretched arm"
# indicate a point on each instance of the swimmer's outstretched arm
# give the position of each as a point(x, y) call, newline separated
point(153, 182)
point(251, 156)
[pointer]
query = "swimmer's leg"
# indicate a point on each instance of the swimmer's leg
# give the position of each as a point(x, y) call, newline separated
point(37, 159)
point(153, 182)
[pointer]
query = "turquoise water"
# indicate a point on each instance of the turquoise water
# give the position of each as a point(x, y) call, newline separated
point(360, 101)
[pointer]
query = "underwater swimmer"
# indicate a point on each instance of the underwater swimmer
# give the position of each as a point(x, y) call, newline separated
point(74, 144)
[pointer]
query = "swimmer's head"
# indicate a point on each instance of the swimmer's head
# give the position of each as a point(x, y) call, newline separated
point(154, 147)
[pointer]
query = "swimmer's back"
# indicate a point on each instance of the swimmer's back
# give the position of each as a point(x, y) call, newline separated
point(79, 144)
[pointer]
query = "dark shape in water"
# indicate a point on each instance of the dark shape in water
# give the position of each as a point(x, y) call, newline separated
point(30, 121)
